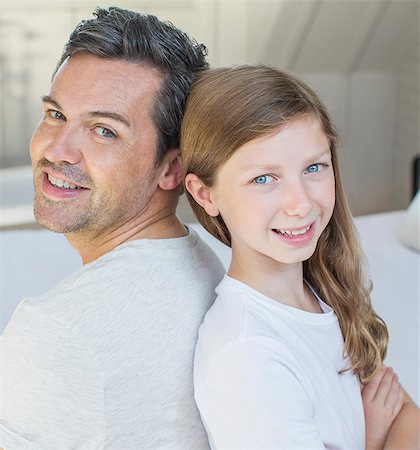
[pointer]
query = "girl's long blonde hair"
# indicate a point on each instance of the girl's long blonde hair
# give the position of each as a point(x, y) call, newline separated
point(229, 107)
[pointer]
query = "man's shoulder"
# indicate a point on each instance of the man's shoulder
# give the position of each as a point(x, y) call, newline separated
point(188, 257)
point(136, 278)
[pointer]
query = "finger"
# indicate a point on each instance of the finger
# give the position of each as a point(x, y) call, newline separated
point(393, 393)
point(399, 403)
point(384, 387)
point(369, 390)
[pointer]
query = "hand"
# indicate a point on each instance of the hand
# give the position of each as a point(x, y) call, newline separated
point(382, 398)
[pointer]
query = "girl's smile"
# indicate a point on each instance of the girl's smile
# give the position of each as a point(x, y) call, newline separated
point(296, 236)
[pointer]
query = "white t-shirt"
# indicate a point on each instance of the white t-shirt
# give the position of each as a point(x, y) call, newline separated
point(266, 376)
point(104, 360)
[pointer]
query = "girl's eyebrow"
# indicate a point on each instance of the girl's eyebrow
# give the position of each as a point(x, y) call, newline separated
point(274, 167)
point(319, 156)
point(267, 167)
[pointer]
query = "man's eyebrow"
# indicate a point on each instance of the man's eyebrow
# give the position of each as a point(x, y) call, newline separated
point(94, 114)
point(51, 101)
point(110, 115)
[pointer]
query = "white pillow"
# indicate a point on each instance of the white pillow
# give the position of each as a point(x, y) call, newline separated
point(409, 233)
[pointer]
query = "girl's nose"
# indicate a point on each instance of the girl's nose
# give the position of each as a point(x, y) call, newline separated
point(296, 199)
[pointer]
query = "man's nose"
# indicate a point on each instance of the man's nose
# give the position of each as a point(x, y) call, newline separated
point(64, 146)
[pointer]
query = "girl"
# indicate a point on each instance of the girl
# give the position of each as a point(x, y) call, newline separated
point(292, 333)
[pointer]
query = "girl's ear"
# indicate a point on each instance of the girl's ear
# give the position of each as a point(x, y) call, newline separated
point(201, 194)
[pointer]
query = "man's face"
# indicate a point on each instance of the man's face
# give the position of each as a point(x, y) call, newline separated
point(93, 153)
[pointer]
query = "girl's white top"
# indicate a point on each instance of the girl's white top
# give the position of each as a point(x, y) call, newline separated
point(266, 375)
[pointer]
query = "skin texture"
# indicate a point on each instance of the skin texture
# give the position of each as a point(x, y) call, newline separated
point(96, 133)
point(295, 189)
point(405, 430)
point(392, 419)
point(383, 398)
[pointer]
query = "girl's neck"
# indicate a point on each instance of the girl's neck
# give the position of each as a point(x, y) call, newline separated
point(281, 282)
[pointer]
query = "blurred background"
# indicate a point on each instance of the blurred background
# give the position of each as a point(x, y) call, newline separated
point(362, 56)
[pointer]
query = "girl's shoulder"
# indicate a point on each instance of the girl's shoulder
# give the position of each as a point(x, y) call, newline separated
point(242, 318)
point(238, 316)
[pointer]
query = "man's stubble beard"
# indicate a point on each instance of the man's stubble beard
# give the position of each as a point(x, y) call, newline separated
point(57, 216)
point(94, 216)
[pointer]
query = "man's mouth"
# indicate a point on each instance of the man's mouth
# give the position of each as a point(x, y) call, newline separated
point(62, 184)
point(293, 232)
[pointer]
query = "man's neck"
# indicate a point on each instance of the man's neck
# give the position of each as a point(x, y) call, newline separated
point(92, 245)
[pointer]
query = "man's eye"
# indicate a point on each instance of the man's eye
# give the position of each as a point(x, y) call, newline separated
point(56, 114)
point(263, 179)
point(104, 132)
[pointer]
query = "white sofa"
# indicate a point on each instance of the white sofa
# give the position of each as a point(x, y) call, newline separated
point(31, 261)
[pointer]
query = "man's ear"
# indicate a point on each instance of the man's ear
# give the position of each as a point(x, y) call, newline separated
point(201, 194)
point(171, 175)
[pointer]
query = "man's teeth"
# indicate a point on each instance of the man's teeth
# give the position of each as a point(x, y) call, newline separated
point(293, 232)
point(62, 184)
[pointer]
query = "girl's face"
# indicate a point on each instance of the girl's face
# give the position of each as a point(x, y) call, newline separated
point(276, 193)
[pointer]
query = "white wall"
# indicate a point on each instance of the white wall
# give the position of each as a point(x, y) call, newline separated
point(406, 142)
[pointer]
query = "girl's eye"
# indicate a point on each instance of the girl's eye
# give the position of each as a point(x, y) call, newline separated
point(314, 168)
point(104, 132)
point(263, 179)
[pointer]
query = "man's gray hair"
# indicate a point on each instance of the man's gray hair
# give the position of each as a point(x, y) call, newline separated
point(117, 33)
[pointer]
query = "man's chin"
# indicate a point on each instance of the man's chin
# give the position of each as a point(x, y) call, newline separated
point(56, 224)
point(48, 225)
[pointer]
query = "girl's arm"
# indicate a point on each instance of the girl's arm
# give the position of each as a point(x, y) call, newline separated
point(405, 430)
point(392, 419)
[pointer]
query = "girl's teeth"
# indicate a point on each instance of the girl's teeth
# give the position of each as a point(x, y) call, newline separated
point(293, 232)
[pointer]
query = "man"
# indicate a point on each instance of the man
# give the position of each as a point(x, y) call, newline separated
point(104, 359)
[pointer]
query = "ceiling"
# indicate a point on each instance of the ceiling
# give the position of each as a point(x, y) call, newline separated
point(334, 35)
